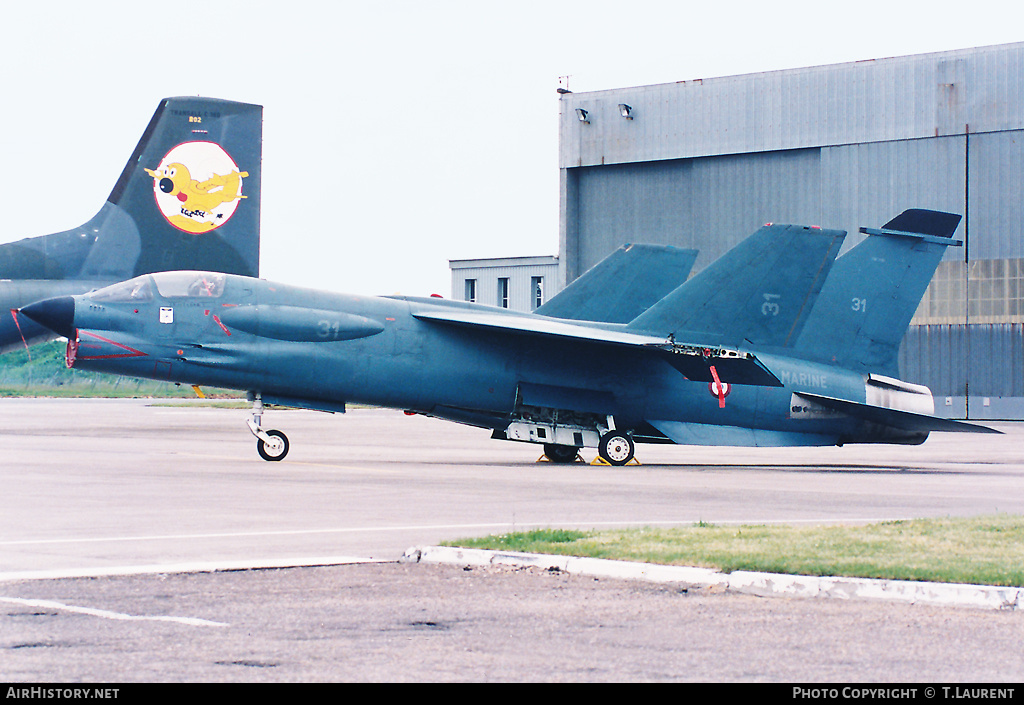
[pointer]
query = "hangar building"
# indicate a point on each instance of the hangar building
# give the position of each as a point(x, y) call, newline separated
point(704, 163)
point(516, 283)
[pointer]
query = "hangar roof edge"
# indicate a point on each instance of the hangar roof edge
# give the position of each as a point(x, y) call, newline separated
point(919, 96)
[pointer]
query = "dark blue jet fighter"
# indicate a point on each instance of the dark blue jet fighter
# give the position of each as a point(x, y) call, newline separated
point(777, 343)
point(188, 198)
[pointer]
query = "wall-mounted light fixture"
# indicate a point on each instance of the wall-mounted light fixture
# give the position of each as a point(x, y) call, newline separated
point(582, 115)
point(626, 111)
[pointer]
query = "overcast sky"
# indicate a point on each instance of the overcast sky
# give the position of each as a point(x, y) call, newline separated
point(397, 135)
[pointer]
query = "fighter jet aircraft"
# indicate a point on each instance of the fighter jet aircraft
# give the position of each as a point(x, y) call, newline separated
point(726, 358)
point(188, 198)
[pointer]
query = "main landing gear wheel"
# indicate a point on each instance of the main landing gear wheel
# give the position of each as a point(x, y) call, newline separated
point(616, 448)
point(274, 449)
point(560, 454)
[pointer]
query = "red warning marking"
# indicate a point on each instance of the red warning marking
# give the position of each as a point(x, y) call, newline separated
point(216, 319)
point(130, 352)
point(14, 314)
point(718, 389)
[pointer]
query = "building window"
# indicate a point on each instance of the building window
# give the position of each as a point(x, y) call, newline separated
point(982, 291)
point(503, 292)
point(537, 291)
point(471, 290)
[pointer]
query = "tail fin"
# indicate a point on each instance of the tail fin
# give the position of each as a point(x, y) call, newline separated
point(622, 285)
point(189, 198)
point(873, 291)
point(758, 293)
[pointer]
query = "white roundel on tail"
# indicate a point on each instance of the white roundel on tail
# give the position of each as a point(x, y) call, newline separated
point(197, 186)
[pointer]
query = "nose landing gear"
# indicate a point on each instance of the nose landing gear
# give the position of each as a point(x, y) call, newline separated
point(271, 445)
point(273, 449)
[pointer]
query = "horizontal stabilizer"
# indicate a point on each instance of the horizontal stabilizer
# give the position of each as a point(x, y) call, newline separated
point(925, 222)
point(622, 285)
point(905, 420)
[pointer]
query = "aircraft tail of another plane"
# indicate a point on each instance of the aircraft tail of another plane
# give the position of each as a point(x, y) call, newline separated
point(188, 198)
point(622, 285)
point(758, 293)
point(874, 290)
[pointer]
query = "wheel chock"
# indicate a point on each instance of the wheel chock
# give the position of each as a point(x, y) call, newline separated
point(601, 461)
point(546, 459)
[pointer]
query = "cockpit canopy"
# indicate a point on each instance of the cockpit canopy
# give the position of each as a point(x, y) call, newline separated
point(137, 289)
point(169, 285)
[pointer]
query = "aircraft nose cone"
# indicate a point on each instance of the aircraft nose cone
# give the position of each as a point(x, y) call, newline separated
point(57, 314)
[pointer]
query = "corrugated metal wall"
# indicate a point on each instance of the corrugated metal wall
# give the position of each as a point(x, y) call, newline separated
point(974, 371)
point(868, 184)
point(704, 163)
point(901, 98)
point(710, 204)
point(995, 225)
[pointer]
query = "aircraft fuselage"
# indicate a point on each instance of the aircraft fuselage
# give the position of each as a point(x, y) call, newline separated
point(323, 350)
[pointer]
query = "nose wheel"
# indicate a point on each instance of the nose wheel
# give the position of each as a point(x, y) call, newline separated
point(271, 445)
point(273, 449)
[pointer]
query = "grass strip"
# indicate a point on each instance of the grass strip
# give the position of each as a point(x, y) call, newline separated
point(41, 372)
point(984, 550)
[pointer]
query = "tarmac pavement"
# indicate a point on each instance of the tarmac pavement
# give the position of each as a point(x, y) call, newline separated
point(149, 543)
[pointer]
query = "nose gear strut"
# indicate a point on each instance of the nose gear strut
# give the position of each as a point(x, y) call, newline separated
point(271, 445)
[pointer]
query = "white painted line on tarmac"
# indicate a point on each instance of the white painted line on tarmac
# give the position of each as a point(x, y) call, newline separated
point(191, 567)
point(106, 614)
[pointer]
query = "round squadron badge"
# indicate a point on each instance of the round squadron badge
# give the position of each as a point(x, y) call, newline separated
point(197, 186)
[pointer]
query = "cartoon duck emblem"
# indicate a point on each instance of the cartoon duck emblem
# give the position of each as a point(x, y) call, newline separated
point(197, 186)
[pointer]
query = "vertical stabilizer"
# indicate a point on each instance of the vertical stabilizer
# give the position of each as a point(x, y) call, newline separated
point(873, 291)
point(758, 293)
point(188, 198)
point(622, 285)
